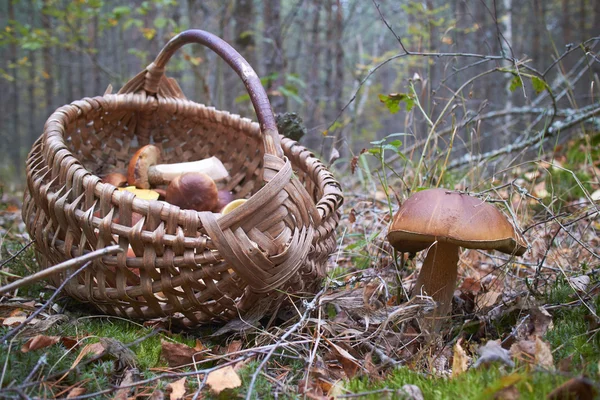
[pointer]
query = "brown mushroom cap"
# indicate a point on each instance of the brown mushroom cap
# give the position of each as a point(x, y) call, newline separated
point(193, 191)
point(140, 163)
point(441, 215)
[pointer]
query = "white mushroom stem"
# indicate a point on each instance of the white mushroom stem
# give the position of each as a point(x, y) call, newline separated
point(438, 277)
point(162, 173)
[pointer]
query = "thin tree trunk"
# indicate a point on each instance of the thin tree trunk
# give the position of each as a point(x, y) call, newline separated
point(15, 135)
point(274, 57)
point(338, 88)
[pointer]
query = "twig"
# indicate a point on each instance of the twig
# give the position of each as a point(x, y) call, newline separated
point(74, 262)
point(537, 138)
point(14, 331)
point(309, 308)
point(21, 250)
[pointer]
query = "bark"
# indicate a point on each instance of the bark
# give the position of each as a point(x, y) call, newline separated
point(274, 54)
point(196, 14)
point(339, 72)
point(32, 128)
point(95, 49)
point(314, 67)
point(14, 138)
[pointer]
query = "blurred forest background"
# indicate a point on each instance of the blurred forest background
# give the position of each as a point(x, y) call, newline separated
point(511, 72)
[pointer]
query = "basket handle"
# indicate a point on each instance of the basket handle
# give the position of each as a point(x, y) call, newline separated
point(258, 96)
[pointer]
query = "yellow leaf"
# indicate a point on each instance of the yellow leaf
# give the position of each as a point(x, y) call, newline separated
point(45, 75)
point(460, 361)
point(325, 132)
point(447, 40)
point(148, 33)
point(223, 378)
point(177, 389)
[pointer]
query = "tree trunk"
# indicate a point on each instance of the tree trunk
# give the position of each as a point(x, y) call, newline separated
point(274, 54)
point(314, 83)
point(339, 75)
point(201, 87)
point(14, 138)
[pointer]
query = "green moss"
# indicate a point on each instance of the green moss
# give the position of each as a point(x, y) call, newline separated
point(474, 384)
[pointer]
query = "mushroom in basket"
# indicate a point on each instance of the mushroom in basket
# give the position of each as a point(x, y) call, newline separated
point(144, 170)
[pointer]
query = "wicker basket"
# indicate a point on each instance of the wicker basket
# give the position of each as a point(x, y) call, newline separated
point(195, 267)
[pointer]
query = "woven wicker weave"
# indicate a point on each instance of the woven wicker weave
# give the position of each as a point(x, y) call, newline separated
point(196, 267)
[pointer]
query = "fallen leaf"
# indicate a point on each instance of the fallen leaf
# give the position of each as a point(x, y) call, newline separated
point(460, 361)
point(157, 395)
point(94, 348)
point(493, 352)
point(14, 321)
point(574, 388)
point(542, 321)
point(131, 376)
point(234, 346)
point(470, 285)
point(543, 354)
point(39, 342)
point(177, 389)
point(508, 393)
point(69, 342)
point(76, 392)
point(349, 363)
point(580, 283)
point(487, 300)
point(223, 378)
point(177, 354)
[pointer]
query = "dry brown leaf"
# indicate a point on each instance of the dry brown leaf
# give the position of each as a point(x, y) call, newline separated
point(69, 342)
point(470, 285)
point(542, 321)
point(535, 351)
point(460, 361)
point(543, 354)
point(580, 283)
point(131, 376)
point(76, 392)
point(223, 378)
point(234, 346)
point(508, 393)
point(177, 354)
point(487, 300)
point(177, 389)
point(349, 363)
point(39, 342)
point(575, 388)
point(14, 321)
point(94, 349)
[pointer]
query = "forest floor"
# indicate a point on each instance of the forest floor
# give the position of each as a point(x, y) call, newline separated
point(521, 327)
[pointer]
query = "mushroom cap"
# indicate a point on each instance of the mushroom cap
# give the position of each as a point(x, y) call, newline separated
point(140, 163)
point(193, 191)
point(115, 178)
point(441, 215)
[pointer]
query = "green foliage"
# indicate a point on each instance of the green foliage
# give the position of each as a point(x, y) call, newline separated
point(572, 337)
point(474, 384)
point(515, 83)
point(393, 100)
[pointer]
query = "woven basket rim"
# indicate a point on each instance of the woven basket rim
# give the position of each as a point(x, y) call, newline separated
point(142, 102)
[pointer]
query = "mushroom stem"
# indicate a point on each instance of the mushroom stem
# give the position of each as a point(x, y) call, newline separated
point(164, 173)
point(438, 277)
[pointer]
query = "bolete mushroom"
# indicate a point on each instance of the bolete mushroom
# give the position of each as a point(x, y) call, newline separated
point(443, 221)
point(144, 170)
point(115, 178)
point(193, 191)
